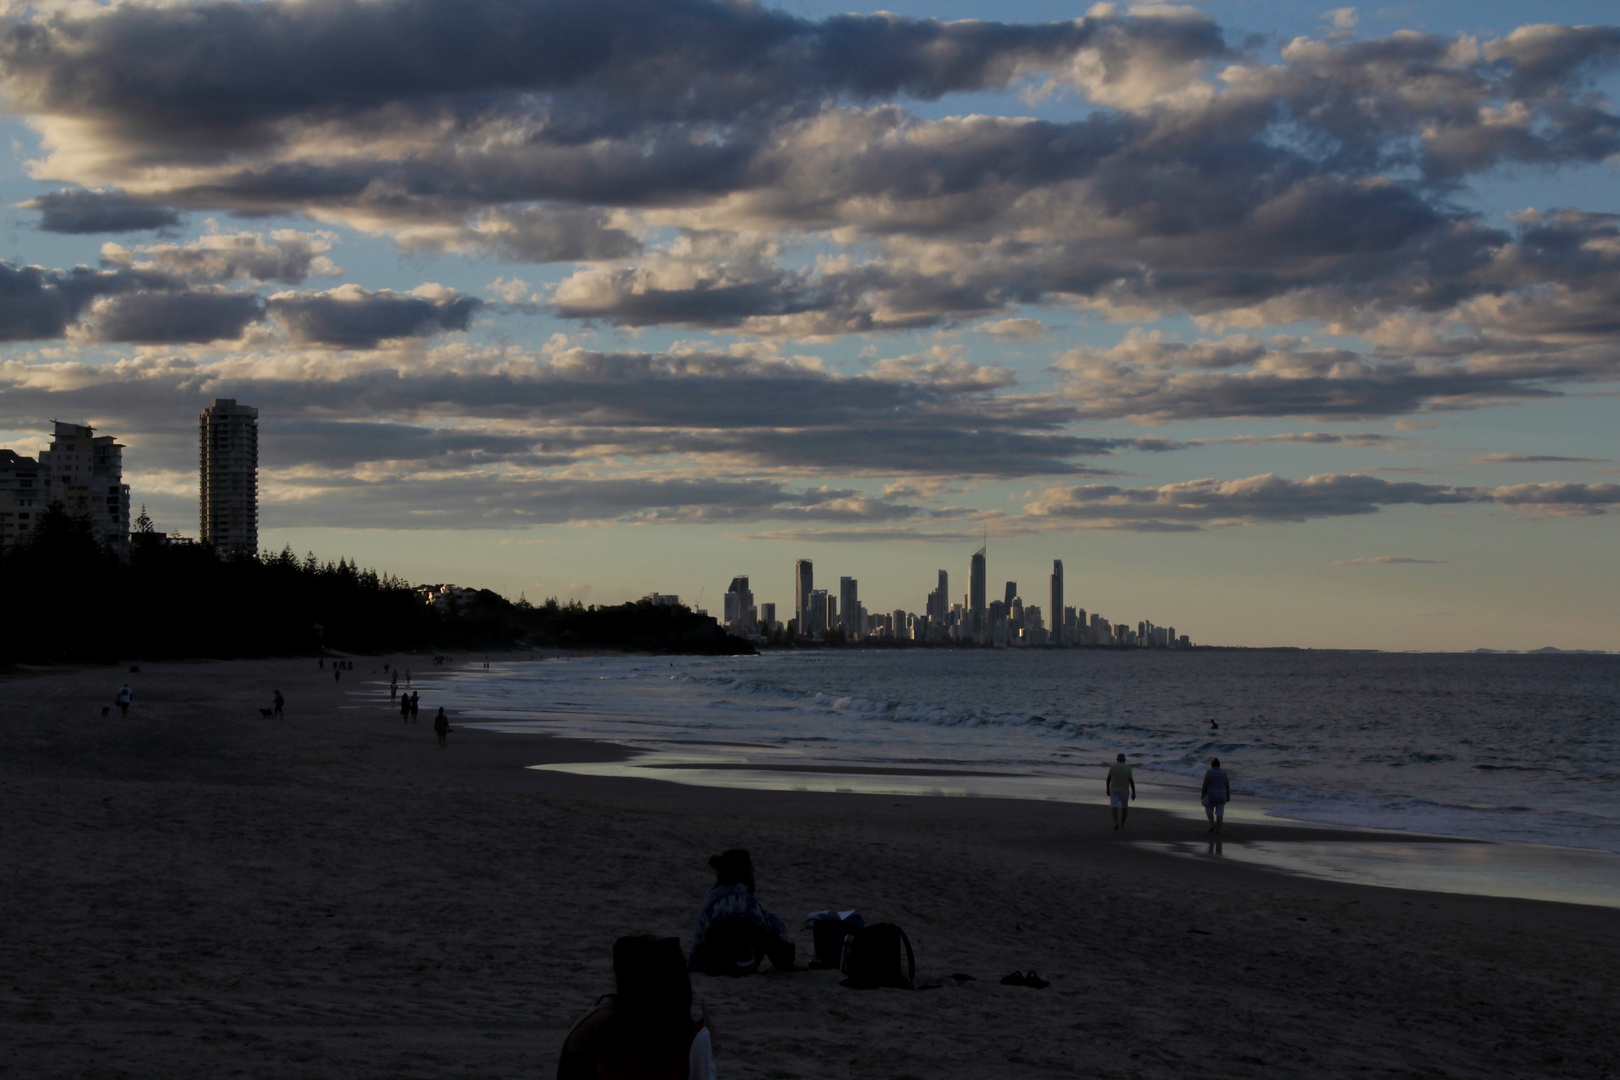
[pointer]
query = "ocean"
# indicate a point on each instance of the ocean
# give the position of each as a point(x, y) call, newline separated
point(1493, 747)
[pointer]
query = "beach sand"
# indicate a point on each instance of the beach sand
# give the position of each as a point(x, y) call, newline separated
point(197, 891)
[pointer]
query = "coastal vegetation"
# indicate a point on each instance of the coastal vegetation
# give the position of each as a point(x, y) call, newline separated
point(70, 598)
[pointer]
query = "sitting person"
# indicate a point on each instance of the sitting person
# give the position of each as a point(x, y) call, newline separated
point(645, 1031)
point(734, 931)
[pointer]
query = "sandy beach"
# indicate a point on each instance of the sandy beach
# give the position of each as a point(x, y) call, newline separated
point(198, 891)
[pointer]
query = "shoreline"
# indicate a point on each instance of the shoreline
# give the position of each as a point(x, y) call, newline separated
point(209, 892)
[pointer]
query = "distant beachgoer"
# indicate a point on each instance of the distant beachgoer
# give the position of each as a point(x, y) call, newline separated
point(404, 707)
point(322, 663)
point(1121, 789)
point(1213, 726)
point(281, 703)
point(125, 694)
point(645, 1030)
point(441, 726)
point(385, 667)
point(416, 705)
point(734, 931)
point(1215, 794)
point(407, 678)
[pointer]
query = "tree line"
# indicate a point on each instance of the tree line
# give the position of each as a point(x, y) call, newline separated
point(70, 598)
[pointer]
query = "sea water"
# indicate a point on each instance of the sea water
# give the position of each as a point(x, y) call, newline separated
point(1499, 747)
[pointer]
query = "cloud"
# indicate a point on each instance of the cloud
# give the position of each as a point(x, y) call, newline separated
point(350, 317)
point(1385, 560)
point(286, 256)
point(91, 210)
point(1014, 329)
point(1273, 499)
point(861, 536)
point(173, 317)
point(1534, 459)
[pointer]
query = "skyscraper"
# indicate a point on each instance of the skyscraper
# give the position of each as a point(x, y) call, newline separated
point(228, 461)
point(939, 601)
point(1012, 593)
point(739, 606)
point(848, 606)
point(804, 581)
point(976, 587)
point(1057, 603)
point(85, 473)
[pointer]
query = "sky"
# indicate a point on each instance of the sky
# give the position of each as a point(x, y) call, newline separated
point(1276, 323)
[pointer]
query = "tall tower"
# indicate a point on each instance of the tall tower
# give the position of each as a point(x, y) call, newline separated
point(804, 580)
point(85, 473)
point(848, 603)
point(976, 587)
point(1057, 602)
point(228, 464)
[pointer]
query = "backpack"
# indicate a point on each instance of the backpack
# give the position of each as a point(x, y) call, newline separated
point(872, 958)
point(828, 929)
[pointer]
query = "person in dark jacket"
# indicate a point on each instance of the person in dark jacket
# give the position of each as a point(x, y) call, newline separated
point(441, 727)
point(734, 931)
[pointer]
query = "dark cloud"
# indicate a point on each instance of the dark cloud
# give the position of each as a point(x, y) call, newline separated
point(92, 211)
point(1535, 459)
point(487, 501)
point(1386, 560)
point(174, 317)
point(354, 318)
point(1270, 498)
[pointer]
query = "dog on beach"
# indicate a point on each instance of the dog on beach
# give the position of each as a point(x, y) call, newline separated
point(267, 713)
point(106, 710)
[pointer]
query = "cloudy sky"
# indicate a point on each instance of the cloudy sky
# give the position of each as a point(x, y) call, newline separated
point(1278, 323)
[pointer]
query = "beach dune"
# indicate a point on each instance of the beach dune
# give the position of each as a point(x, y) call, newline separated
point(198, 891)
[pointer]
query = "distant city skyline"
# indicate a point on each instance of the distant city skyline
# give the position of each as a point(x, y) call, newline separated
point(1292, 322)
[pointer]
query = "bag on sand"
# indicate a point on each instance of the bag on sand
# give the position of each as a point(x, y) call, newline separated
point(872, 958)
point(828, 929)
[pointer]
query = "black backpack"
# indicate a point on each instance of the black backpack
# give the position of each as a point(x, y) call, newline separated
point(872, 958)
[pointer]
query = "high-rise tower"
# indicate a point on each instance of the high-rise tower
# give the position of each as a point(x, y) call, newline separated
point(1057, 602)
point(85, 473)
point(228, 463)
point(976, 587)
point(849, 603)
point(804, 580)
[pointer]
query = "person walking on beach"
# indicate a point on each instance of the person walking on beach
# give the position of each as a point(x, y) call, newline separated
point(1216, 792)
point(416, 704)
point(441, 726)
point(281, 703)
point(404, 708)
point(1121, 789)
point(337, 672)
point(125, 694)
point(393, 689)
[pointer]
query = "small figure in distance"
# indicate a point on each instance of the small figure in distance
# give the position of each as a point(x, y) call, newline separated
point(441, 726)
point(734, 931)
point(125, 695)
point(416, 704)
point(1215, 793)
point(322, 663)
point(646, 1028)
point(393, 689)
point(337, 672)
point(404, 708)
point(1213, 726)
point(281, 703)
point(1121, 789)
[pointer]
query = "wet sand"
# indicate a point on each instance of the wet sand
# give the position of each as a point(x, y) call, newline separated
point(198, 891)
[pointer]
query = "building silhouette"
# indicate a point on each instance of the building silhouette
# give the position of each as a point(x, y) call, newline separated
point(1057, 603)
point(804, 582)
point(848, 606)
point(228, 464)
point(976, 587)
point(81, 471)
